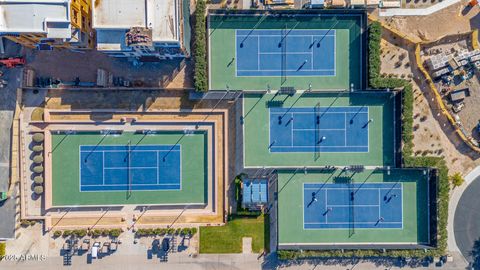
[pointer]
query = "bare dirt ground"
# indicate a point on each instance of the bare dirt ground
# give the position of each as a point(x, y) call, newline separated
point(419, 3)
point(395, 61)
point(469, 115)
point(67, 65)
point(452, 20)
point(432, 136)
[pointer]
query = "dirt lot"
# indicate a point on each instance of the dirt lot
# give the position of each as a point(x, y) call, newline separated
point(419, 3)
point(395, 60)
point(469, 115)
point(67, 65)
point(452, 20)
point(431, 137)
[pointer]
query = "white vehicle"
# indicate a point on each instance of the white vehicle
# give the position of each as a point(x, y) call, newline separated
point(95, 248)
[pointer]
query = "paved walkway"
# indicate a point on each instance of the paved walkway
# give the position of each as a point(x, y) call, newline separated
point(417, 11)
point(454, 199)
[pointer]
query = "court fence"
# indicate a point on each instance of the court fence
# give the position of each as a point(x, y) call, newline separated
point(433, 183)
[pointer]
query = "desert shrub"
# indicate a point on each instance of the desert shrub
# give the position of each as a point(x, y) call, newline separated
point(38, 190)
point(38, 169)
point(115, 232)
point(38, 159)
point(37, 148)
point(38, 180)
point(38, 137)
point(456, 179)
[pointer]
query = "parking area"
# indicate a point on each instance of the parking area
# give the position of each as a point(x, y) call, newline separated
point(63, 68)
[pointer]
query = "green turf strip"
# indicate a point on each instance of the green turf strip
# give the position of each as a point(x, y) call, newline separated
point(228, 238)
point(66, 179)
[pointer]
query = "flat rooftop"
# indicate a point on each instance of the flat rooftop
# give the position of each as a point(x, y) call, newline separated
point(46, 16)
point(160, 15)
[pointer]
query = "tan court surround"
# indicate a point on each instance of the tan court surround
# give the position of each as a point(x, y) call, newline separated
point(212, 214)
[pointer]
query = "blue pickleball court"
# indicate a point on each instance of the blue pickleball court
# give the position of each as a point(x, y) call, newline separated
point(130, 167)
point(319, 129)
point(287, 52)
point(372, 205)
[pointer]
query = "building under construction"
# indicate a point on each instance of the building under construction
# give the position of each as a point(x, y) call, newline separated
point(148, 30)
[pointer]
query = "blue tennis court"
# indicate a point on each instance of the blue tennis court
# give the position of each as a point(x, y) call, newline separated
point(332, 206)
point(277, 52)
point(319, 129)
point(130, 167)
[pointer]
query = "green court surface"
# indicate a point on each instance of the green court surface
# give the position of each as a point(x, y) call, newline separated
point(347, 54)
point(414, 209)
point(66, 169)
point(257, 133)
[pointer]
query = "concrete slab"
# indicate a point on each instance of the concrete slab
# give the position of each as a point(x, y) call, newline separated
point(247, 245)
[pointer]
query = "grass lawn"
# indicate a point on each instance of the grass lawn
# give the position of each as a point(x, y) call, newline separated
point(228, 238)
point(2, 250)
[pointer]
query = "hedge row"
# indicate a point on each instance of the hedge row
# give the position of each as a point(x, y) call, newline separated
point(200, 48)
point(164, 231)
point(378, 82)
point(93, 233)
point(2, 250)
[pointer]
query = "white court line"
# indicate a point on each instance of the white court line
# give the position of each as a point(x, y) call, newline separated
point(280, 35)
point(321, 129)
point(236, 57)
point(275, 70)
point(133, 151)
point(326, 205)
point(335, 53)
point(103, 168)
point(379, 207)
point(356, 205)
point(303, 203)
point(121, 185)
point(292, 53)
point(103, 151)
point(339, 146)
point(291, 128)
point(356, 222)
point(311, 51)
point(158, 166)
point(126, 168)
point(328, 112)
point(339, 188)
point(345, 127)
point(258, 54)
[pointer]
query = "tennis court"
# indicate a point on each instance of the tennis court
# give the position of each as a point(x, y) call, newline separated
point(127, 167)
point(322, 129)
point(316, 207)
point(136, 167)
point(344, 206)
point(287, 52)
point(319, 129)
point(261, 50)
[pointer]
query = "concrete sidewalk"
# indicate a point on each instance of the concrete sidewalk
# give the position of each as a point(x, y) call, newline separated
point(454, 199)
point(416, 11)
